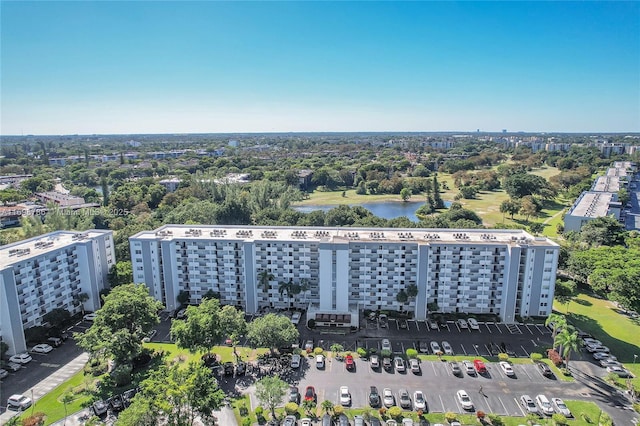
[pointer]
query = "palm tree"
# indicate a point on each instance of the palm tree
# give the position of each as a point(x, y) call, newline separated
point(285, 286)
point(304, 288)
point(569, 343)
point(80, 299)
point(66, 399)
point(559, 322)
point(264, 279)
point(327, 406)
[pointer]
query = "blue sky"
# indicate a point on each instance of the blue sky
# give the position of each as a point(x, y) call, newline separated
point(178, 67)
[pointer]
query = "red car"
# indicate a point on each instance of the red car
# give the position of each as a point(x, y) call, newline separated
point(479, 365)
point(310, 394)
point(349, 362)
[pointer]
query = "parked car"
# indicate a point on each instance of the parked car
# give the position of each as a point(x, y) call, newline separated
point(468, 367)
point(116, 403)
point(55, 341)
point(419, 403)
point(343, 420)
point(589, 341)
point(229, 368)
point(621, 372)
point(358, 421)
point(398, 363)
point(405, 399)
point(473, 324)
point(403, 324)
point(294, 395)
point(387, 398)
point(462, 323)
point(374, 396)
point(306, 422)
point(544, 369)
point(128, 395)
point(387, 364)
point(92, 316)
point(327, 420)
point(241, 368)
point(374, 360)
point(435, 347)
point(295, 361)
point(507, 369)
point(13, 366)
point(18, 402)
point(424, 347)
point(23, 358)
point(544, 405)
point(345, 396)
point(464, 399)
point(310, 394)
point(479, 366)
point(320, 361)
point(601, 355)
point(3, 373)
point(406, 421)
point(414, 365)
point(593, 349)
point(433, 324)
point(349, 362)
point(384, 321)
point(529, 405)
point(455, 368)
point(560, 407)
point(42, 348)
point(386, 345)
point(99, 408)
point(609, 363)
point(295, 318)
point(447, 348)
point(290, 421)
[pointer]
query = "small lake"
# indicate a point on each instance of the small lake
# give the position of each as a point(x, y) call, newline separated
point(384, 209)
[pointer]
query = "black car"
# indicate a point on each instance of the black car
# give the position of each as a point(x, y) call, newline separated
point(228, 368)
point(116, 403)
point(100, 408)
point(544, 369)
point(127, 396)
point(209, 360)
point(241, 368)
point(374, 396)
point(294, 395)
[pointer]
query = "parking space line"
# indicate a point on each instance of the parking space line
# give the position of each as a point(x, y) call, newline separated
point(442, 403)
point(488, 329)
point(498, 327)
point(518, 404)
point(506, 413)
point(433, 366)
point(525, 351)
point(525, 372)
point(488, 350)
point(417, 325)
point(463, 349)
point(527, 325)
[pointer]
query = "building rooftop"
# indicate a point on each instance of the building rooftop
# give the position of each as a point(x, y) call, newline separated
point(606, 184)
point(36, 246)
point(612, 171)
point(207, 232)
point(592, 204)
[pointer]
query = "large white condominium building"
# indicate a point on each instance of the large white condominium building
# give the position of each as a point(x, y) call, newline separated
point(48, 272)
point(339, 271)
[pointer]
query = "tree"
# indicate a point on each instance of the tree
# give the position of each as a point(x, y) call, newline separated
point(602, 231)
point(412, 290)
point(79, 299)
point(120, 273)
point(522, 184)
point(536, 228)
point(565, 291)
point(183, 297)
point(568, 340)
point(270, 391)
point(264, 279)
point(559, 322)
point(141, 412)
point(309, 406)
point(206, 325)
point(127, 316)
point(57, 318)
point(405, 194)
point(66, 399)
point(528, 207)
point(327, 406)
point(272, 331)
point(402, 298)
point(437, 199)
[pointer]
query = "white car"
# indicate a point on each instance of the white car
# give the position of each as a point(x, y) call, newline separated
point(544, 405)
point(13, 366)
point(42, 348)
point(561, 407)
point(435, 347)
point(465, 400)
point(507, 369)
point(601, 355)
point(306, 422)
point(593, 349)
point(24, 358)
point(374, 361)
point(447, 348)
point(609, 363)
point(398, 363)
point(469, 368)
point(462, 323)
point(407, 421)
point(473, 324)
point(388, 398)
point(295, 318)
point(588, 341)
point(386, 345)
point(295, 361)
point(345, 396)
point(433, 324)
point(529, 405)
point(418, 401)
point(319, 361)
point(621, 372)
point(18, 402)
point(3, 373)
point(91, 317)
point(414, 365)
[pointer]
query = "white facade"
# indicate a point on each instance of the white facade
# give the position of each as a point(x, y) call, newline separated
point(48, 272)
point(502, 272)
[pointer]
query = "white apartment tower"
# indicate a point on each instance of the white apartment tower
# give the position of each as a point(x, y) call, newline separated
point(340, 271)
point(48, 272)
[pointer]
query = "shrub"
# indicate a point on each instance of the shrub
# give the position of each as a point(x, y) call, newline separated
point(586, 418)
point(503, 357)
point(480, 414)
point(385, 353)
point(419, 413)
point(636, 406)
point(395, 412)
point(565, 371)
point(559, 419)
point(449, 416)
point(383, 411)
point(243, 410)
point(362, 352)
point(121, 375)
point(36, 419)
point(535, 356)
point(311, 323)
point(338, 409)
point(246, 421)
point(259, 411)
point(496, 420)
point(318, 351)
point(555, 357)
point(291, 407)
point(412, 353)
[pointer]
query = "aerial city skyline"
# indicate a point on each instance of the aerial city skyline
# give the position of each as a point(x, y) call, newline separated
point(163, 67)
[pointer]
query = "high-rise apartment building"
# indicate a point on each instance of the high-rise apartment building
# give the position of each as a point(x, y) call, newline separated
point(48, 272)
point(336, 272)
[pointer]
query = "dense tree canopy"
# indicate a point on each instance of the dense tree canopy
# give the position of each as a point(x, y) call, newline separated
point(272, 331)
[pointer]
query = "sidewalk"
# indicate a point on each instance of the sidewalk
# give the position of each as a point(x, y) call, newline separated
point(61, 375)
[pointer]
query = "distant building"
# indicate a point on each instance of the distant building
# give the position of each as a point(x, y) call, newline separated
point(304, 179)
point(170, 184)
point(591, 205)
point(48, 272)
point(10, 215)
point(60, 199)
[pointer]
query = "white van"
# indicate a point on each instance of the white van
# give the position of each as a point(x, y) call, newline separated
point(544, 404)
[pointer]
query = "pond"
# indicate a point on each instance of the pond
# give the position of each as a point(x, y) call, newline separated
point(384, 209)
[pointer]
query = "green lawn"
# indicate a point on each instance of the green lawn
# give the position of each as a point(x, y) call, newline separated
point(319, 198)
